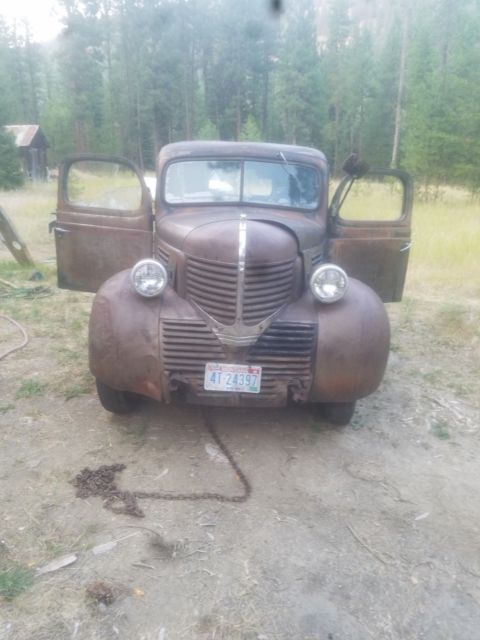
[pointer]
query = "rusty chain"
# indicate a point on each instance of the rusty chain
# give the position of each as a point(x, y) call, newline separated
point(101, 482)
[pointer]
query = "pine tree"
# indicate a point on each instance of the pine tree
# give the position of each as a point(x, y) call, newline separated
point(250, 130)
point(11, 175)
point(297, 81)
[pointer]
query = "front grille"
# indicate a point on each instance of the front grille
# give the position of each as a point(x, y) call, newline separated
point(285, 353)
point(213, 287)
point(187, 347)
point(162, 255)
point(317, 259)
point(267, 288)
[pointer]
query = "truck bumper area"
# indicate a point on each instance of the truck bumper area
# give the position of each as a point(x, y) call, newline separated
point(310, 353)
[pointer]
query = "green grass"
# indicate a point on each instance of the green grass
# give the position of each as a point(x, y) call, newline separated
point(6, 407)
point(440, 430)
point(14, 581)
point(14, 272)
point(81, 388)
point(30, 389)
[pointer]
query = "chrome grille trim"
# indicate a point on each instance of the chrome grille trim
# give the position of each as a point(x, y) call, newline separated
point(242, 252)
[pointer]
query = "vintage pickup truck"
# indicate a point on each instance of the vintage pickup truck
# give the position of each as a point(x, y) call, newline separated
point(241, 286)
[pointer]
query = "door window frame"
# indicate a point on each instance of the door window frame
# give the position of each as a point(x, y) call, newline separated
point(65, 204)
point(334, 213)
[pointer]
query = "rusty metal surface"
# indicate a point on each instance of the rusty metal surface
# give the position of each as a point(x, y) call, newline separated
point(93, 243)
point(353, 341)
point(374, 251)
point(87, 255)
point(238, 292)
point(310, 353)
point(268, 274)
point(237, 297)
point(123, 338)
point(384, 270)
point(263, 150)
point(173, 229)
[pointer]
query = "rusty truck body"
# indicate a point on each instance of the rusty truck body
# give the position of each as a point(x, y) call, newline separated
point(240, 286)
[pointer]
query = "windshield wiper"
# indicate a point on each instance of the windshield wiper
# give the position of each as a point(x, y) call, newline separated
point(285, 167)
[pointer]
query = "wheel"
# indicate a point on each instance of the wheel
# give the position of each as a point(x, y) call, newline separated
point(120, 402)
point(337, 413)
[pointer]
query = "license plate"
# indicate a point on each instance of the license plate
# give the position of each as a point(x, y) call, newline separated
point(238, 378)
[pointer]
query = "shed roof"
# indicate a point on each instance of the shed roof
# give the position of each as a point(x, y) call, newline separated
point(24, 133)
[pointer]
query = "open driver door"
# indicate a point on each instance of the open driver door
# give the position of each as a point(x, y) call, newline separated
point(370, 229)
point(104, 221)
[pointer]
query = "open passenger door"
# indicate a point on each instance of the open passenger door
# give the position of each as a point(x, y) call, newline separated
point(370, 234)
point(104, 221)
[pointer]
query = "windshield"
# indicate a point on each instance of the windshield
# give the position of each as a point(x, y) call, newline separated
point(269, 183)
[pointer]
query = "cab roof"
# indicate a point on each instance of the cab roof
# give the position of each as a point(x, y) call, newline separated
point(263, 150)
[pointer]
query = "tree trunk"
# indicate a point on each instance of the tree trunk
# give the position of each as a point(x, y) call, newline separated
point(238, 119)
point(400, 92)
point(266, 87)
point(138, 131)
point(31, 75)
point(337, 134)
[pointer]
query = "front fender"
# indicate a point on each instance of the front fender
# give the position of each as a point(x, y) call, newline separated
point(123, 338)
point(353, 342)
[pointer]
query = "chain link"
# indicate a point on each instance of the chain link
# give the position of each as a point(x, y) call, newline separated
point(101, 482)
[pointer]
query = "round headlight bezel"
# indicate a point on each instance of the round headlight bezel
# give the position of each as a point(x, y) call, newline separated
point(161, 286)
point(322, 270)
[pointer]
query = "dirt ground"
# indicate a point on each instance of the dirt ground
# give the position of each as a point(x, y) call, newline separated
point(369, 531)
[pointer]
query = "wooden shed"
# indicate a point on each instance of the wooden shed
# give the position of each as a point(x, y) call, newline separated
point(32, 146)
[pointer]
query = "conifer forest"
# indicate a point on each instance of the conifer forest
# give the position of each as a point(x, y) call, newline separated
point(396, 80)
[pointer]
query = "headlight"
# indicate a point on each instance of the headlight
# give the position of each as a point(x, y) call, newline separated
point(149, 278)
point(329, 283)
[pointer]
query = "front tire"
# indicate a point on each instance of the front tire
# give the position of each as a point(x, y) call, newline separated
point(119, 402)
point(336, 413)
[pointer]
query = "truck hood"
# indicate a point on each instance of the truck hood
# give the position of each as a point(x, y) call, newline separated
point(177, 228)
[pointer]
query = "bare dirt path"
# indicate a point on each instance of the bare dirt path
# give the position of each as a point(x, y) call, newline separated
point(371, 531)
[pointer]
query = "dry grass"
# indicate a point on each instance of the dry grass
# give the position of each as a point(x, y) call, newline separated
point(62, 314)
point(446, 245)
point(446, 238)
point(31, 210)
